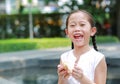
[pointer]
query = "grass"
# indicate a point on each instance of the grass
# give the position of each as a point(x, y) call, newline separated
point(9, 45)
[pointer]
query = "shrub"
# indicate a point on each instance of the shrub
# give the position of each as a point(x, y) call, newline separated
point(43, 43)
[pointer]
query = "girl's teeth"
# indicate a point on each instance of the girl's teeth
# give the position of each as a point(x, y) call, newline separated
point(78, 36)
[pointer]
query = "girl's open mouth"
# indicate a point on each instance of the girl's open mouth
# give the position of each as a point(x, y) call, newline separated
point(78, 36)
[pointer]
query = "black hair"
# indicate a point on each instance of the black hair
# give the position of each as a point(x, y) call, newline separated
point(91, 20)
point(94, 42)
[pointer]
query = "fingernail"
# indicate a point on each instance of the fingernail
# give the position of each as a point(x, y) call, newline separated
point(58, 65)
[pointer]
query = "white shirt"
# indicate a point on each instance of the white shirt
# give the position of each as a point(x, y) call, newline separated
point(87, 62)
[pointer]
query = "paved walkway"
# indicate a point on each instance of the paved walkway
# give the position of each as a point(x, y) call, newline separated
point(112, 53)
point(15, 60)
point(4, 81)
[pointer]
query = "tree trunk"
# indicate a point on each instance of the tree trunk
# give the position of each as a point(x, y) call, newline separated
point(118, 18)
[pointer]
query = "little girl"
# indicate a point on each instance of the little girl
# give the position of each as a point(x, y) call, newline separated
point(82, 64)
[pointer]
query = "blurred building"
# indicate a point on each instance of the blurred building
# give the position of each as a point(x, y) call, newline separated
point(38, 6)
point(7, 6)
point(2, 6)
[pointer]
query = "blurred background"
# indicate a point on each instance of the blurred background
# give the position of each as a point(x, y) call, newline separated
point(32, 38)
point(46, 18)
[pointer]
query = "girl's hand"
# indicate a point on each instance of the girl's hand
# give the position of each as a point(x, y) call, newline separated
point(77, 72)
point(62, 72)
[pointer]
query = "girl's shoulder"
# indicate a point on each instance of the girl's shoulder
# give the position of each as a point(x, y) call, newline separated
point(67, 53)
point(96, 53)
point(93, 55)
point(97, 57)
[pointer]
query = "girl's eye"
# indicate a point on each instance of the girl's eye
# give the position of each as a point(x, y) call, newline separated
point(82, 24)
point(72, 25)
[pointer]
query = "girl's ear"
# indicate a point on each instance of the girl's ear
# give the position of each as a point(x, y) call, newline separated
point(66, 31)
point(93, 31)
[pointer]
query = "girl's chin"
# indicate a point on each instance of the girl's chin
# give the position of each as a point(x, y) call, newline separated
point(79, 44)
point(79, 41)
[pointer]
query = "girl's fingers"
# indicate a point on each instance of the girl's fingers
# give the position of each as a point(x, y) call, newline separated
point(77, 72)
point(61, 71)
point(58, 65)
point(60, 68)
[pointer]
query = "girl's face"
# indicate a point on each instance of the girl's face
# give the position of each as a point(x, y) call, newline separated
point(79, 29)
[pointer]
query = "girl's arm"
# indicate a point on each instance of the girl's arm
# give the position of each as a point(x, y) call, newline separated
point(101, 72)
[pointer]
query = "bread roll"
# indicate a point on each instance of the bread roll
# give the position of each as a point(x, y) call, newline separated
point(67, 66)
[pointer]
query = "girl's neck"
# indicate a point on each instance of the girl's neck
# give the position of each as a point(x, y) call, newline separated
point(78, 51)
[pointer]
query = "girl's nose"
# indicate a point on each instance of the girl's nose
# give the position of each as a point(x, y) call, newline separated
point(77, 28)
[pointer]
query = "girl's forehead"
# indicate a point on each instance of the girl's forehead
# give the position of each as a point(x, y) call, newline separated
point(78, 16)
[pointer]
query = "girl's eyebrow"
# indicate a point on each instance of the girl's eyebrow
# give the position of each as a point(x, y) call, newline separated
point(71, 22)
point(83, 20)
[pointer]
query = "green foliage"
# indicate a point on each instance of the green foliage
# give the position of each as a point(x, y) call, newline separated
point(19, 25)
point(29, 44)
point(16, 45)
point(34, 10)
point(98, 13)
point(30, 1)
point(43, 43)
point(106, 39)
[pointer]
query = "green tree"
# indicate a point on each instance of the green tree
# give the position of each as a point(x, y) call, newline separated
point(99, 13)
point(110, 11)
point(117, 17)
